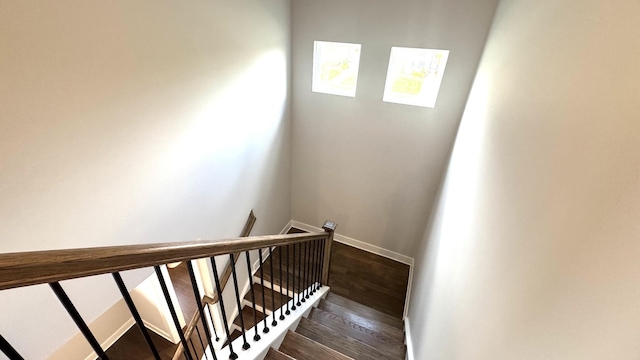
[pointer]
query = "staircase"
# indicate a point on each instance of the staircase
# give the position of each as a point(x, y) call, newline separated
point(287, 313)
point(336, 328)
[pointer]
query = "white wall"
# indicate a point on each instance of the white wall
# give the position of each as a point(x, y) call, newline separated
point(135, 122)
point(533, 250)
point(375, 167)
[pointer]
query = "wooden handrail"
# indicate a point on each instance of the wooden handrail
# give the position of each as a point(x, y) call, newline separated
point(39, 267)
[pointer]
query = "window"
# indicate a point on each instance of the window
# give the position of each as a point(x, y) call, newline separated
point(414, 76)
point(335, 68)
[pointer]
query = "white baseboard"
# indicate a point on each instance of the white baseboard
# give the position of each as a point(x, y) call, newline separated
point(407, 338)
point(113, 338)
point(287, 227)
point(356, 243)
point(107, 328)
point(159, 331)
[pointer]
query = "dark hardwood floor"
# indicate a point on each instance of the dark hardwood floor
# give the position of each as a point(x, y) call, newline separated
point(369, 279)
point(182, 284)
point(132, 346)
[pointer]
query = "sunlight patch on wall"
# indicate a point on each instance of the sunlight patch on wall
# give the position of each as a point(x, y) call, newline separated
point(414, 76)
point(335, 68)
point(246, 114)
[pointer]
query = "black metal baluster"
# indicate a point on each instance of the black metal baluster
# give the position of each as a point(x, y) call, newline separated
point(216, 279)
point(8, 350)
point(281, 283)
point(198, 298)
point(134, 312)
point(313, 267)
point(75, 315)
point(322, 247)
point(235, 286)
point(204, 348)
point(264, 303)
point(309, 271)
point(318, 266)
point(299, 273)
point(310, 261)
point(304, 276)
point(273, 293)
point(293, 280)
point(172, 310)
point(256, 337)
point(288, 312)
point(212, 323)
point(195, 352)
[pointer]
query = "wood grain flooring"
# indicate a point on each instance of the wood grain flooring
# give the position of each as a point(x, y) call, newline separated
point(366, 322)
point(302, 348)
point(339, 342)
point(273, 354)
point(248, 318)
point(132, 346)
point(366, 278)
point(269, 297)
point(364, 310)
point(370, 337)
point(184, 291)
point(369, 279)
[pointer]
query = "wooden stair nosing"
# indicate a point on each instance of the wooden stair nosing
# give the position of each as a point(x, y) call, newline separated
point(274, 354)
point(339, 342)
point(365, 311)
point(300, 347)
point(364, 321)
point(372, 338)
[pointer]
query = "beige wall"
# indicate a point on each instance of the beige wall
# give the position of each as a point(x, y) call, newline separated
point(533, 249)
point(374, 167)
point(132, 122)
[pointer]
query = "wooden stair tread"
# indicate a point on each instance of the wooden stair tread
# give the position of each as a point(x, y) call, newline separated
point(268, 297)
point(276, 281)
point(363, 321)
point(234, 335)
point(339, 342)
point(365, 311)
point(372, 338)
point(273, 354)
point(266, 267)
point(302, 348)
point(247, 316)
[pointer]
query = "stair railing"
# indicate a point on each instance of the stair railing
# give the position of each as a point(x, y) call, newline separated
point(50, 267)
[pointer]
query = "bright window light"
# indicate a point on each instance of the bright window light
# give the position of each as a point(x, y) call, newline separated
point(414, 76)
point(335, 68)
